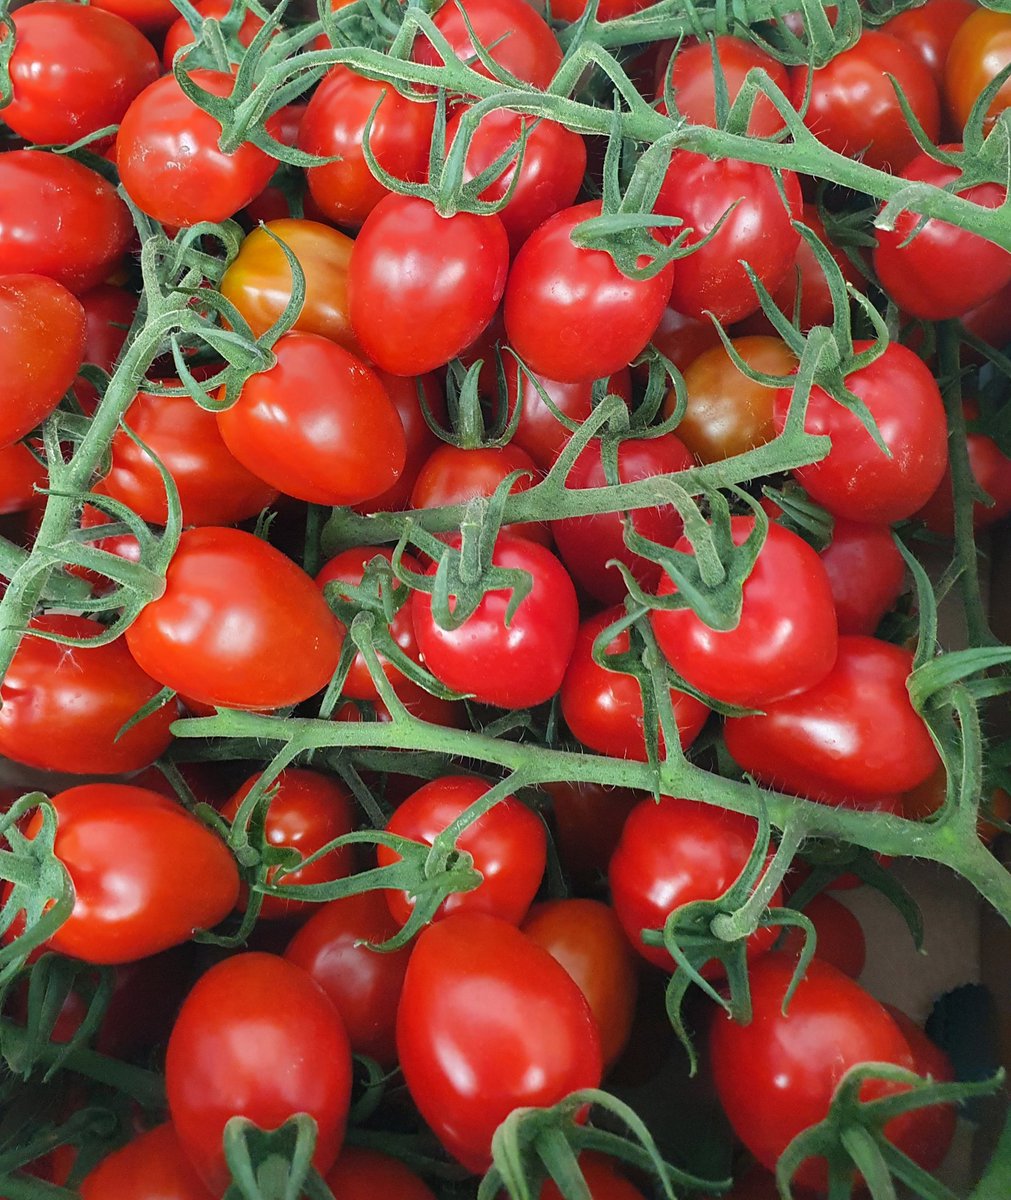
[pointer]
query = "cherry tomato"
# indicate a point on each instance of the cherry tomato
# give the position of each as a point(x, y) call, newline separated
point(529, 1041)
point(405, 393)
point(923, 801)
point(450, 714)
point(979, 51)
point(20, 478)
point(123, 545)
point(929, 30)
point(152, 1165)
point(238, 625)
point(256, 1038)
point(866, 573)
point(841, 940)
point(682, 339)
point(601, 1178)
point(180, 34)
point(588, 820)
point(991, 469)
point(153, 16)
point(361, 1174)
point(929, 1131)
point(108, 315)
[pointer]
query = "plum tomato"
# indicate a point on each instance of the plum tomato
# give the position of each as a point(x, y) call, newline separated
point(361, 1174)
point(841, 941)
point(151, 1164)
point(866, 573)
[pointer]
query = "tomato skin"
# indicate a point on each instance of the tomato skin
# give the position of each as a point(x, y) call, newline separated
point(841, 941)
point(992, 471)
point(421, 441)
point(929, 30)
point(180, 34)
point(530, 1040)
point(866, 573)
point(20, 476)
point(152, 16)
point(928, 1132)
point(59, 219)
point(423, 287)
point(63, 706)
point(169, 161)
point(152, 1166)
point(569, 312)
point(601, 1178)
point(318, 425)
point(361, 1174)
point(603, 709)
point(258, 1038)
point(239, 625)
point(854, 734)
point(108, 315)
point(785, 641)
point(514, 667)
point(125, 849)
point(681, 338)
point(979, 51)
point(855, 480)
point(363, 984)
point(588, 820)
point(508, 844)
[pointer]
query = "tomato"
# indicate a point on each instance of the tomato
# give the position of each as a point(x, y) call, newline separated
point(403, 391)
point(554, 162)
point(450, 714)
point(334, 124)
point(123, 545)
point(841, 940)
point(855, 480)
point(333, 946)
point(63, 706)
point(979, 51)
point(603, 709)
point(758, 230)
point(854, 733)
point(923, 801)
point(681, 339)
point(866, 573)
point(785, 641)
point(256, 1038)
point(529, 1040)
point(588, 819)
point(361, 1174)
point(992, 471)
point(930, 1131)
point(307, 811)
point(318, 424)
point(126, 849)
point(20, 478)
point(727, 413)
point(587, 544)
point(673, 852)
point(586, 938)
point(238, 625)
point(853, 107)
point(929, 30)
point(59, 219)
point(601, 1178)
point(514, 666)
point(152, 1166)
point(258, 282)
point(169, 160)
point(180, 34)
point(153, 16)
point(108, 315)
point(570, 314)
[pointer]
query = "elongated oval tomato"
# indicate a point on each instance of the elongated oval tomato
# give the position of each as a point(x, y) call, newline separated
point(126, 849)
point(865, 572)
point(21, 475)
point(153, 16)
point(238, 625)
point(979, 51)
point(256, 1038)
point(361, 1174)
point(489, 1022)
point(841, 941)
point(929, 30)
point(152, 1165)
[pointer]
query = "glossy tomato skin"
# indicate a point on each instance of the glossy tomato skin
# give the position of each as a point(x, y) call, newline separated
point(853, 734)
point(927, 1133)
point(41, 347)
point(929, 30)
point(569, 312)
point(257, 1038)
point(403, 391)
point(603, 709)
point(671, 853)
point(20, 478)
point(423, 287)
point(508, 845)
point(979, 51)
point(152, 1166)
point(866, 573)
point(108, 315)
point(363, 984)
point(601, 1178)
point(318, 425)
point(992, 471)
point(169, 161)
point(489, 1022)
point(126, 849)
point(681, 338)
point(855, 480)
point(63, 706)
point(516, 666)
point(60, 219)
point(239, 625)
point(841, 941)
point(180, 34)
point(361, 1174)
point(152, 16)
point(785, 641)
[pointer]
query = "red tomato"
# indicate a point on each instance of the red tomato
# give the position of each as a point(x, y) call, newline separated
point(785, 641)
point(929, 1131)
point(108, 315)
point(123, 545)
point(421, 441)
point(992, 471)
point(588, 820)
point(126, 849)
point(854, 734)
point(508, 845)
point(151, 1166)
point(529, 1040)
point(682, 339)
point(841, 940)
point(59, 219)
point(153, 16)
point(361, 1174)
point(238, 625)
point(307, 811)
point(514, 666)
point(855, 479)
point(180, 34)
point(866, 573)
point(570, 314)
point(603, 708)
point(318, 424)
point(929, 30)
point(979, 51)
point(671, 853)
point(63, 706)
point(450, 714)
point(20, 477)
point(256, 1038)
point(169, 161)
point(601, 1178)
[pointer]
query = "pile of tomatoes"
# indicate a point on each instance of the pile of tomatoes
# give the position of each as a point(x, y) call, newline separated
point(465, 474)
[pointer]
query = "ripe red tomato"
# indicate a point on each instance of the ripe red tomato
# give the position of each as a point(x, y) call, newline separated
point(63, 706)
point(152, 1165)
point(865, 572)
point(603, 709)
point(992, 471)
point(421, 441)
point(238, 625)
point(928, 1132)
point(450, 714)
point(601, 1178)
point(588, 820)
point(929, 30)
point(180, 34)
point(514, 666)
point(20, 477)
point(59, 219)
point(530, 1041)
point(854, 734)
point(153, 16)
point(570, 314)
point(256, 1038)
point(682, 339)
point(785, 641)
point(108, 315)
point(126, 849)
point(979, 51)
point(361, 1174)
point(855, 479)
point(841, 940)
